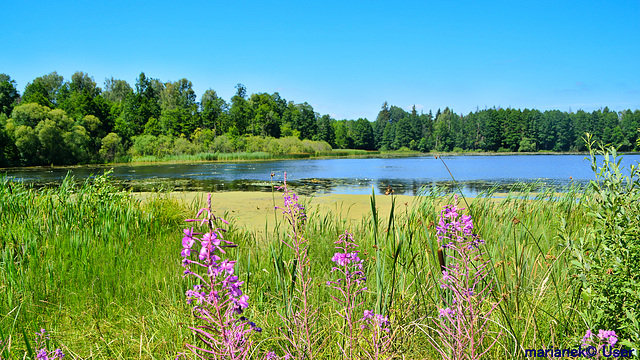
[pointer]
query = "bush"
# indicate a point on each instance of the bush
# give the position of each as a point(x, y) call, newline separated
point(272, 146)
point(607, 257)
point(291, 145)
point(182, 146)
point(527, 145)
point(255, 143)
point(203, 138)
point(221, 144)
point(111, 147)
point(423, 145)
point(143, 145)
point(313, 147)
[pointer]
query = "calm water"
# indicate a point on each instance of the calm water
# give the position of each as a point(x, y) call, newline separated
point(348, 176)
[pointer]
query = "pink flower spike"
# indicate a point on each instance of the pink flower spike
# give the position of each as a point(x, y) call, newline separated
point(368, 314)
point(242, 301)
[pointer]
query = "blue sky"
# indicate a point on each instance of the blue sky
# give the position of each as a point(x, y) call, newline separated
point(345, 57)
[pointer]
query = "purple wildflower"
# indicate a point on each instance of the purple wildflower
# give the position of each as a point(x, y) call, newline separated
point(587, 336)
point(42, 355)
point(217, 297)
point(609, 335)
point(350, 285)
point(446, 312)
point(368, 314)
point(466, 284)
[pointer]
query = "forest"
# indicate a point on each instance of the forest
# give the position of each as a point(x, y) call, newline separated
point(62, 122)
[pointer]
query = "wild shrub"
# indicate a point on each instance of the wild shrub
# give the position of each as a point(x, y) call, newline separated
point(221, 144)
point(607, 258)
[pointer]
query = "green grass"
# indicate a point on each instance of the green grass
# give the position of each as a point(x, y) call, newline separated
point(100, 270)
point(249, 156)
point(347, 152)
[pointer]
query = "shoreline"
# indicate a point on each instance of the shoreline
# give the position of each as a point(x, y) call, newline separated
point(311, 157)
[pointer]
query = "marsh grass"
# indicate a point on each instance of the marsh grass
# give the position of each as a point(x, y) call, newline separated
point(247, 156)
point(100, 270)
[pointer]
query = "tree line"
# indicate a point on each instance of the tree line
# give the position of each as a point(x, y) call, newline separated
point(509, 130)
point(58, 121)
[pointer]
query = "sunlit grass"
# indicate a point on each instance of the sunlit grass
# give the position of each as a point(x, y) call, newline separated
point(100, 269)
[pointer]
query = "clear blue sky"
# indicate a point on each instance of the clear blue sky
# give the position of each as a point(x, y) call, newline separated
point(344, 57)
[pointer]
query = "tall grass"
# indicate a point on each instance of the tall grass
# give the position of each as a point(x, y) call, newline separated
point(91, 264)
point(100, 270)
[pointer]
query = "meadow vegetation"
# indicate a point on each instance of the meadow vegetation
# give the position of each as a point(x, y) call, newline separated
point(101, 271)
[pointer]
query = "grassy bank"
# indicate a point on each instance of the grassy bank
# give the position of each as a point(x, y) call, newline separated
point(259, 155)
point(100, 269)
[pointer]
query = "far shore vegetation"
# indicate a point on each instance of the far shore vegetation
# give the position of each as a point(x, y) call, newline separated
point(66, 122)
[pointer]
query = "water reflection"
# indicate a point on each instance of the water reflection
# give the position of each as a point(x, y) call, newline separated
point(406, 176)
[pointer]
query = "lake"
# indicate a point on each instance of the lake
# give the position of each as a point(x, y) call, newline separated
point(475, 174)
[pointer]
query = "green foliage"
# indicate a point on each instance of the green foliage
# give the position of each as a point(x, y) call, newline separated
point(29, 114)
point(8, 94)
point(403, 133)
point(170, 109)
point(221, 144)
point(326, 131)
point(111, 147)
point(606, 258)
point(240, 111)
point(8, 152)
point(45, 136)
point(423, 145)
point(213, 111)
point(343, 139)
point(44, 90)
point(363, 135)
point(527, 145)
point(116, 90)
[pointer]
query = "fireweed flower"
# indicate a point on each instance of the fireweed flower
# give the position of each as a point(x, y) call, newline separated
point(299, 320)
point(463, 318)
point(605, 339)
point(217, 299)
point(447, 312)
point(42, 352)
point(587, 336)
point(608, 335)
point(350, 284)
